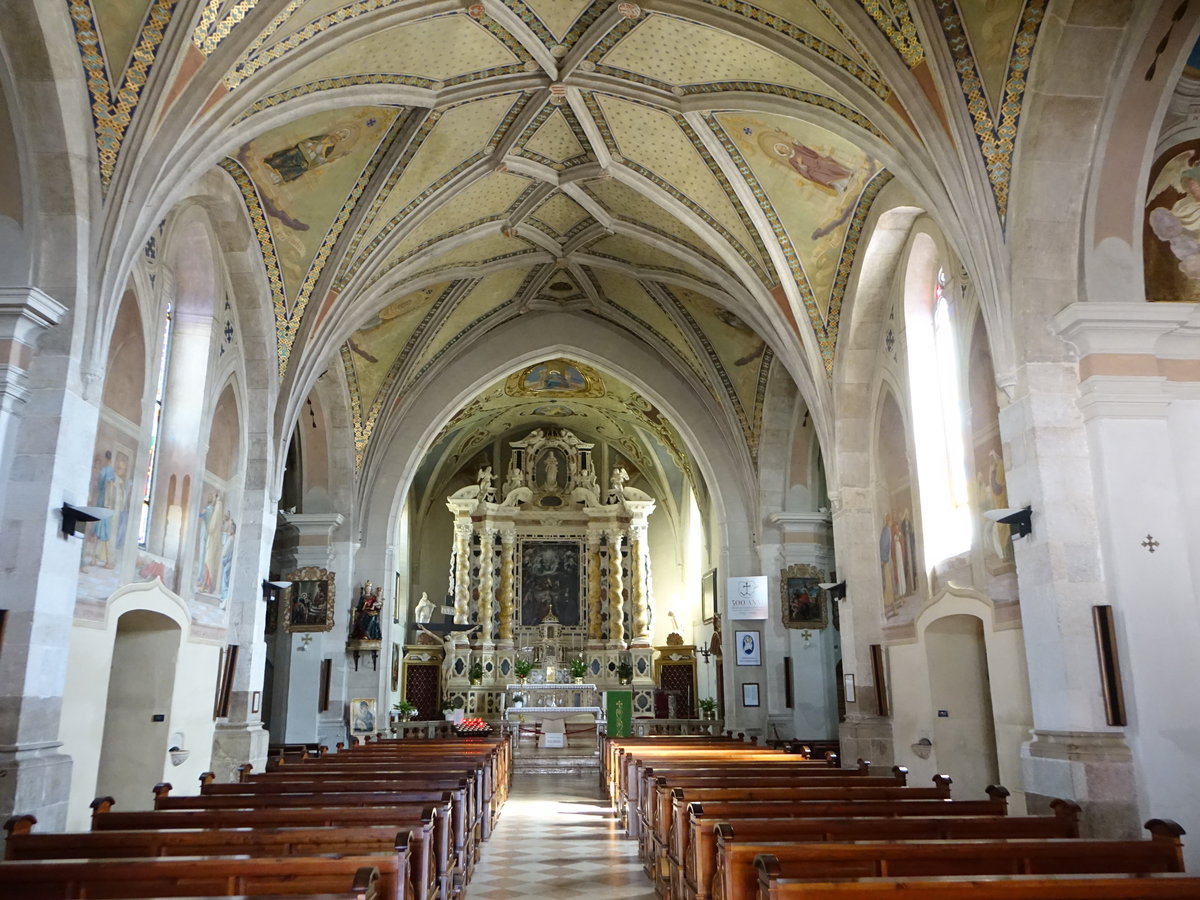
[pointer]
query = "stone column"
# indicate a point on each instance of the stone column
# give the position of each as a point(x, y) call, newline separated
point(640, 619)
point(298, 656)
point(47, 431)
point(508, 542)
point(594, 597)
point(616, 589)
point(462, 571)
point(1140, 404)
point(487, 560)
point(1060, 573)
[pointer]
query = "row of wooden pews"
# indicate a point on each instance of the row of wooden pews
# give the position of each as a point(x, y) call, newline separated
point(385, 820)
point(718, 818)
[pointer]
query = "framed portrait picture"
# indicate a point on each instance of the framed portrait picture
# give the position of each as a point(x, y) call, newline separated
point(803, 603)
point(362, 715)
point(311, 607)
point(708, 596)
point(748, 646)
point(750, 693)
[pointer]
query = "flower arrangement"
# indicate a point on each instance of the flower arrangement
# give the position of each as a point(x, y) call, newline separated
point(522, 667)
point(475, 673)
point(708, 707)
point(578, 667)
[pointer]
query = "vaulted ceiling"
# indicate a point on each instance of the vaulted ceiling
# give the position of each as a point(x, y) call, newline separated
point(696, 172)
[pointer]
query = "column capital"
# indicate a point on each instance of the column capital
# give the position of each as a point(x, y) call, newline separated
point(25, 312)
point(315, 544)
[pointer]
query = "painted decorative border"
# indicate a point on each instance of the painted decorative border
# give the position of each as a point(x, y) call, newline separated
point(212, 27)
point(266, 243)
point(828, 335)
point(899, 27)
point(112, 111)
point(996, 141)
point(851, 115)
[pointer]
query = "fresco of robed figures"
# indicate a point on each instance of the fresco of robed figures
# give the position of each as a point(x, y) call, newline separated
point(216, 536)
point(898, 560)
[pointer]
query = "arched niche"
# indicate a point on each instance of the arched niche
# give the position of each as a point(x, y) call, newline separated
point(964, 732)
point(220, 501)
point(141, 684)
point(116, 480)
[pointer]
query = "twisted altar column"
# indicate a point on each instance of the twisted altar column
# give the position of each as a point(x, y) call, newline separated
point(462, 572)
point(616, 589)
point(508, 540)
point(486, 582)
point(595, 600)
point(639, 595)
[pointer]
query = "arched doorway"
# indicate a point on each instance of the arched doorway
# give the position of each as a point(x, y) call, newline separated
point(137, 719)
point(964, 735)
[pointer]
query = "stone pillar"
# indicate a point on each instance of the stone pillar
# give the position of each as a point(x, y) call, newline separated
point(594, 597)
point(508, 542)
point(462, 571)
point(298, 656)
point(47, 432)
point(1073, 753)
point(616, 589)
point(1140, 403)
point(487, 560)
point(640, 618)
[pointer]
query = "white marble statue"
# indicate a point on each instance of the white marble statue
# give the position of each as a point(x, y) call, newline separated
point(425, 608)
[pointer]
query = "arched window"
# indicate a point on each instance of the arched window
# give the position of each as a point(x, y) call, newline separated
point(934, 377)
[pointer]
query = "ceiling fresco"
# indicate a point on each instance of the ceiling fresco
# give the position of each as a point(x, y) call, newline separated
point(698, 174)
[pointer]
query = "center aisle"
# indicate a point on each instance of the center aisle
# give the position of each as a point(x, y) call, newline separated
point(557, 838)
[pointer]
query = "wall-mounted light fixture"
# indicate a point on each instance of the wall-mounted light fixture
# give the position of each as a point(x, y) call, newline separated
point(73, 515)
point(1019, 520)
point(837, 589)
point(272, 589)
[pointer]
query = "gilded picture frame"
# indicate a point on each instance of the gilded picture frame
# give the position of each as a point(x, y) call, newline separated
point(312, 600)
point(802, 603)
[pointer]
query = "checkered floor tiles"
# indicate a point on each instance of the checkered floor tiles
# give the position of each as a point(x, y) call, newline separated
point(557, 839)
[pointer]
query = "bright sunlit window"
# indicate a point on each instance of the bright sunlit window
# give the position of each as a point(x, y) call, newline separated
point(937, 406)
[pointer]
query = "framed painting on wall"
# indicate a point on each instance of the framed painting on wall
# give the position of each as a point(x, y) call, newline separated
point(802, 602)
point(362, 716)
point(748, 647)
point(708, 596)
point(750, 693)
point(311, 608)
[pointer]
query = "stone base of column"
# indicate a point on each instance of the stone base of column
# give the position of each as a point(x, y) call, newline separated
point(867, 737)
point(234, 745)
point(642, 659)
point(36, 779)
point(1093, 769)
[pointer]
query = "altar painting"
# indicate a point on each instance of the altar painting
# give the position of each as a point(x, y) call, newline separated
point(550, 582)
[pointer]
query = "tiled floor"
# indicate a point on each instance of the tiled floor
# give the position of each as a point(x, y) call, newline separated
point(557, 838)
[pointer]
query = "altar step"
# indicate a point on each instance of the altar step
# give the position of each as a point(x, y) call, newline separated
point(551, 762)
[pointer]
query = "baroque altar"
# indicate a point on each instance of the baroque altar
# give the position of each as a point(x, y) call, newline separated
point(552, 566)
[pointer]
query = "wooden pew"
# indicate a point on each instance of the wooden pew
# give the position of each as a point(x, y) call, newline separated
point(60, 879)
point(767, 866)
point(23, 844)
point(668, 835)
point(1158, 886)
point(447, 879)
point(631, 768)
point(679, 840)
point(695, 880)
point(318, 794)
point(658, 791)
